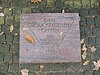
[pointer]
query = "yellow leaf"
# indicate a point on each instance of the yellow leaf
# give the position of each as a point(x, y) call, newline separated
point(96, 64)
point(11, 28)
point(84, 55)
point(84, 48)
point(86, 62)
point(93, 49)
point(29, 38)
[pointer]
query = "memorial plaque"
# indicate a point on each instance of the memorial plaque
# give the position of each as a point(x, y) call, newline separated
point(49, 37)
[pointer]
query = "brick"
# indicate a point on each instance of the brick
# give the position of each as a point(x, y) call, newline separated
point(1, 20)
point(32, 73)
point(64, 66)
point(50, 73)
point(9, 21)
point(8, 11)
point(50, 3)
point(34, 67)
point(4, 48)
point(8, 58)
point(17, 11)
point(55, 67)
point(26, 10)
point(88, 73)
point(2, 38)
point(14, 48)
point(59, 73)
point(13, 67)
point(3, 67)
point(58, 3)
point(16, 58)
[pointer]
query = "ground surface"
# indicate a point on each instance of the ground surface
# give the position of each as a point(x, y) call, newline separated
point(89, 11)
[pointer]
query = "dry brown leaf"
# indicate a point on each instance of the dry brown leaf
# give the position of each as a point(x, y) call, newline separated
point(96, 64)
point(35, 1)
point(84, 48)
point(93, 49)
point(86, 62)
point(82, 41)
point(84, 55)
point(11, 28)
point(29, 38)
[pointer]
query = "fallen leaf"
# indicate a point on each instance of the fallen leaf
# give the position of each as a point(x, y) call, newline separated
point(86, 62)
point(63, 11)
point(35, 1)
point(96, 64)
point(11, 28)
point(84, 48)
point(24, 72)
point(84, 55)
point(93, 49)
point(82, 41)
point(1, 33)
point(29, 38)
point(1, 14)
point(41, 66)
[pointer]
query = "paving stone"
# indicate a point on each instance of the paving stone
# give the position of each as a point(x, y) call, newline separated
point(69, 73)
point(32, 73)
point(92, 40)
point(1, 20)
point(8, 11)
point(1, 57)
point(9, 21)
point(14, 48)
point(78, 73)
point(97, 21)
point(93, 11)
point(50, 73)
point(2, 38)
point(83, 12)
point(3, 67)
point(16, 38)
point(24, 66)
point(46, 67)
point(17, 11)
point(96, 31)
point(95, 56)
point(58, 3)
point(46, 10)
point(97, 72)
point(10, 73)
point(98, 40)
point(18, 73)
point(57, 10)
point(13, 67)
point(90, 21)
point(88, 31)
point(6, 29)
point(16, 58)
point(8, 58)
point(98, 48)
point(50, 3)
point(2, 73)
point(9, 38)
point(88, 73)
point(34, 67)
point(55, 67)
point(4, 48)
point(64, 66)
point(40, 73)
point(26, 10)
point(59, 73)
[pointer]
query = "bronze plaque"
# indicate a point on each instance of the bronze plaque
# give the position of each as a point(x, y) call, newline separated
point(49, 37)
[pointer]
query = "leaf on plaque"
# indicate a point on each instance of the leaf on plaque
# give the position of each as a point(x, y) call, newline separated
point(11, 28)
point(29, 38)
point(93, 49)
point(84, 48)
point(35, 1)
point(84, 55)
point(86, 62)
point(96, 64)
point(82, 41)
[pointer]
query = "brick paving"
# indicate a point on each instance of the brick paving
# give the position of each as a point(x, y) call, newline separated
point(89, 11)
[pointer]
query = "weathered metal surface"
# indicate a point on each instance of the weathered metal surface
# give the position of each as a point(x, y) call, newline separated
point(56, 38)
